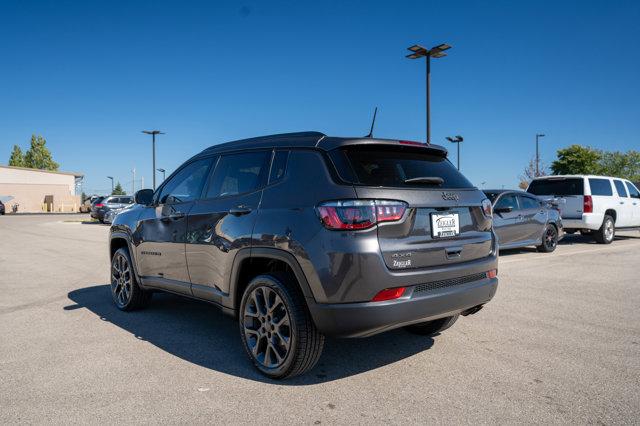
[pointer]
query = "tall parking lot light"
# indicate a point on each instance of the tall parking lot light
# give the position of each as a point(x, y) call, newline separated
point(153, 134)
point(456, 139)
point(435, 52)
point(163, 173)
point(538, 136)
point(111, 177)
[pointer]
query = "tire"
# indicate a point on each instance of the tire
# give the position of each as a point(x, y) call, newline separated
point(276, 328)
point(607, 231)
point(125, 291)
point(549, 239)
point(430, 328)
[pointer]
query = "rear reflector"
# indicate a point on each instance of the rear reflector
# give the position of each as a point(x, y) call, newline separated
point(587, 206)
point(389, 294)
point(359, 214)
point(492, 273)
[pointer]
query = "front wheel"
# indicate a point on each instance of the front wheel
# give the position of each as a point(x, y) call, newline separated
point(429, 328)
point(549, 239)
point(276, 328)
point(607, 231)
point(126, 292)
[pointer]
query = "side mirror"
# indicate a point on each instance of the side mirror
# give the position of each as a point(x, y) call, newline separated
point(503, 209)
point(144, 197)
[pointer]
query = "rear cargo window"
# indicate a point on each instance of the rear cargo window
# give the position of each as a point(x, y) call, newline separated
point(394, 167)
point(559, 187)
point(600, 187)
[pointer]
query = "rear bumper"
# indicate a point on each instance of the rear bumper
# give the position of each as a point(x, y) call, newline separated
point(368, 318)
point(591, 221)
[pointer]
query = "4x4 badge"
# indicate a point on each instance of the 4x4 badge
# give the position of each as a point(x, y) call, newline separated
point(451, 196)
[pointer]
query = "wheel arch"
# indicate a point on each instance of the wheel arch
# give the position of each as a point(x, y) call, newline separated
point(121, 240)
point(612, 213)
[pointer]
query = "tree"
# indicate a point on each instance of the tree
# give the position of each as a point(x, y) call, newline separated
point(620, 164)
point(17, 158)
point(38, 156)
point(529, 173)
point(118, 190)
point(577, 160)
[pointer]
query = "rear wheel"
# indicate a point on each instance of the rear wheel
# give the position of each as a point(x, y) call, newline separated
point(430, 328)
point(126, 292)
point(276, 328)
point(549, 239)
point(607, 231)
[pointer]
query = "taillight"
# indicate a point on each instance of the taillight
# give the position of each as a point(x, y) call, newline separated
point(99, 205)
point(359, 214)
point(486, 207)
point(388, 294)
point(587, 205)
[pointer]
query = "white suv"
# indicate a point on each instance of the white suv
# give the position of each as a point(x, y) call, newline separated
point(593, 205)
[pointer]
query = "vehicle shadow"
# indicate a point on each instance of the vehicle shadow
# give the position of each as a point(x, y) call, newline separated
point(201, 334)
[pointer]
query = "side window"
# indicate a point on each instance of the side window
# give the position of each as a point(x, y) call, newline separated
point(186, 185)
point(528, 203)
point(620, 188)
point(278, 166)
point(633, 191)
point(600, 186)
point(238, 174)
point(507, 201)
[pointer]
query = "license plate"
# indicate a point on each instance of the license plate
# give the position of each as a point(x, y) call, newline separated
point(445, 225)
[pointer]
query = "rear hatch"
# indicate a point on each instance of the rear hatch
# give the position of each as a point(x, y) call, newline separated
point(568, 192)
point(444, 222)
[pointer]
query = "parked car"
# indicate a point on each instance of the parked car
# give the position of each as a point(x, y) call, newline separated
point(1, 208)
point(101, 206)
point(593, 205)
point(111, 214)
point(521, 219)
point(304, 235)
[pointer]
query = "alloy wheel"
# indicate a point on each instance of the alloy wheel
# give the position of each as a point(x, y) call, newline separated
point(121, 280)
point(550, 239)
point(267, 327)
point(608, 230)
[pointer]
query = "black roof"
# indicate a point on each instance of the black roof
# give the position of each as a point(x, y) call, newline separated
point(307, 140)
point(501, 191)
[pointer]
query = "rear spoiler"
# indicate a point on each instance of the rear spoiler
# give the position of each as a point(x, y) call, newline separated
point(330, 143)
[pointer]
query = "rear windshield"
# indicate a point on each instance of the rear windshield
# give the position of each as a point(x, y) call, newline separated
point(559, 187)
point(392, 167)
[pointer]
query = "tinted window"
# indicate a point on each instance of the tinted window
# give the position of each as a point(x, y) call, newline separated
point(620, 189)
point(559, 187)
point(508, 200)
point(600, 187)
point(278, 166)
point(528, 203)
point(379, 166)
point(186, 185)
point(633, 191)
point(238, 173)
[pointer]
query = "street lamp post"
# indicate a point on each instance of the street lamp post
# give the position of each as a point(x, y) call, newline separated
point(456, 140)
point(435, 52)
point(538, 136)
point(163, 173)
point(111, 177)
point(153, 134)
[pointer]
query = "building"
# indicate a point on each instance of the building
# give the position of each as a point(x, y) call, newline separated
point(39, 190)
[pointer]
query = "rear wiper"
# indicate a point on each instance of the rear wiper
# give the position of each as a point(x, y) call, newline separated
point(426, 179)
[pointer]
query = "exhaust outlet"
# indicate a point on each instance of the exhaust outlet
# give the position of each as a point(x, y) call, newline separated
point(471, 311)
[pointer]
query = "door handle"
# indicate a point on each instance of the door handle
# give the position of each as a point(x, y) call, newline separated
point(621, 202)
point(240, 210)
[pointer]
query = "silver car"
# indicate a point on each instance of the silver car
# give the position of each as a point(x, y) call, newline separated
point(111, 214)
point(521, 219)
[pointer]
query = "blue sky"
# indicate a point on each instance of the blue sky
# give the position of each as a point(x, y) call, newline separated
point(90, 75)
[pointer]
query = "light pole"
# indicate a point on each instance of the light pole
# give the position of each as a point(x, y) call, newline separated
point(111, 177)
point(153, 134)
point(538, 136)
point(163, 173)
point(456, 140)
point(435, 52)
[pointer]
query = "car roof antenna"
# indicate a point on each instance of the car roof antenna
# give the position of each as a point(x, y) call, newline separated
point(373, 122)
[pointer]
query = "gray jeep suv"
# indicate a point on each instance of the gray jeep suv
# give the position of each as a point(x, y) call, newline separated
point(302, 235)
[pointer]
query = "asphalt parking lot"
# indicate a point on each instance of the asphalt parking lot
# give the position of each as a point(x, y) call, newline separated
point(560, 343)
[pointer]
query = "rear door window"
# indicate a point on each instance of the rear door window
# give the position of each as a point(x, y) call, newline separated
point(620, 189)
point(600, 186)
point(558, 187)
point(395, 167)
point(239, 174)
